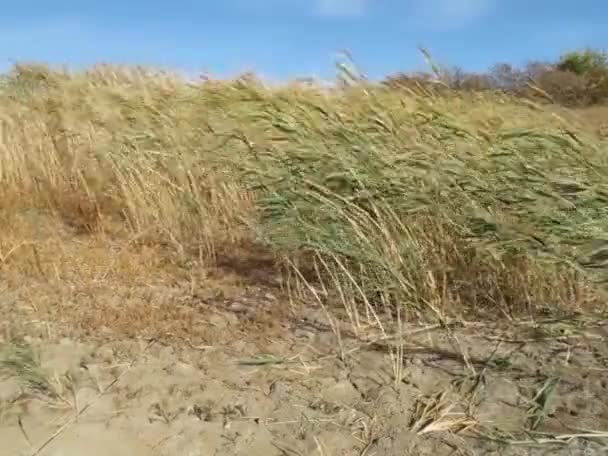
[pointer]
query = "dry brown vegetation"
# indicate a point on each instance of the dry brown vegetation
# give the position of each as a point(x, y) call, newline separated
point(134, 204)
point(578, 79)
point(405, 200)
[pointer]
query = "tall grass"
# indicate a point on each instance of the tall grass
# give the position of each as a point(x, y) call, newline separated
point(399, 200)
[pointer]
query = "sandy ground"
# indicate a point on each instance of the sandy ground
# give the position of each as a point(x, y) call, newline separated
point(112, 360)
point(295, 396)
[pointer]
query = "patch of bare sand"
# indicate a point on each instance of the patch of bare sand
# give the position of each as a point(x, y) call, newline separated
point(149, 398)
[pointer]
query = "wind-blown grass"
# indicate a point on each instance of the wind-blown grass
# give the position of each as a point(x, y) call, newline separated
point(403, 201)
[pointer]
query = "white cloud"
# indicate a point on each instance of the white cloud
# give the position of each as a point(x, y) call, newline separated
point(449, 14)
point(423, 14)
point(318, 7)
point(341, 7)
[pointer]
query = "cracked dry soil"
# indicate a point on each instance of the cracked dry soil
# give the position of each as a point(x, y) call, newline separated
point(151, 397)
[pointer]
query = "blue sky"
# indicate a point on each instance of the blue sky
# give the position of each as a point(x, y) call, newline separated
point(287, 38)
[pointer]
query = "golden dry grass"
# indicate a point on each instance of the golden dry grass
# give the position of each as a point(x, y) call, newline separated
point(389, 201)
